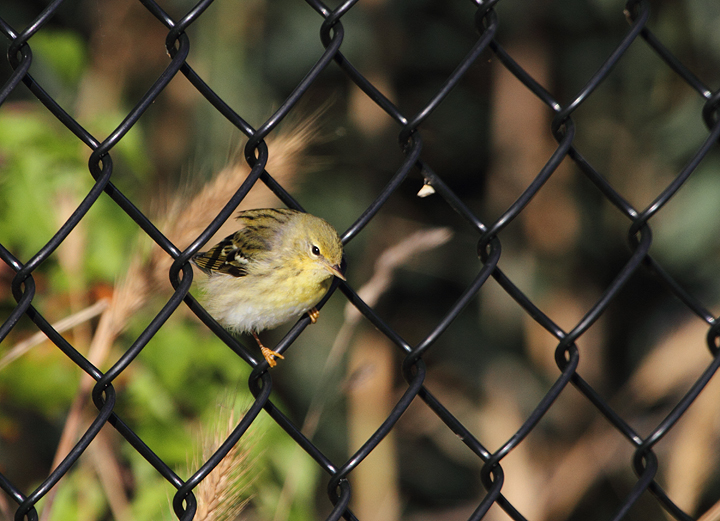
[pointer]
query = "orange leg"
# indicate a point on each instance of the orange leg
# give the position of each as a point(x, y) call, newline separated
point(267, 353)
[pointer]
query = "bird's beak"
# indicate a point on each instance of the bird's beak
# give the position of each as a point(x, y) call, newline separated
point(335, 270)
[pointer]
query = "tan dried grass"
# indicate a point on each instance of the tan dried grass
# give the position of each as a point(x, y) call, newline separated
point(223, 494)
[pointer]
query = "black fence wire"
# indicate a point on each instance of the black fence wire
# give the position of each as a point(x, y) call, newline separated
point(643, 497)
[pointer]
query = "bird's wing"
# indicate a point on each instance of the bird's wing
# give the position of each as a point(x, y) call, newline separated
point(253, 217)
point(235, 254)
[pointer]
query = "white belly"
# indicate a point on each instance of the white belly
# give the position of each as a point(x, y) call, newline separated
point(252, 304)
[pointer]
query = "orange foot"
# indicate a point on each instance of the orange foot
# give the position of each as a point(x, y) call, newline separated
point(313, 314)
point(269, 354)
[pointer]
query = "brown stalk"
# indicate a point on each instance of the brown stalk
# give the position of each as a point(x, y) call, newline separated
point(222, 495)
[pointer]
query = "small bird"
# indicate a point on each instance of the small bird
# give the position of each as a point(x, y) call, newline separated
point(278, 266)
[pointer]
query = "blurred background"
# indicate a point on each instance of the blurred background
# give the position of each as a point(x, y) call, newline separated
point(487, 140)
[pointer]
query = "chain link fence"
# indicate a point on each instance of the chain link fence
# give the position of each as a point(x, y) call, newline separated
point(561, 447)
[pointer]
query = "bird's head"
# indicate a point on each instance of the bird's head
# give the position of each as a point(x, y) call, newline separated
point(317, 247)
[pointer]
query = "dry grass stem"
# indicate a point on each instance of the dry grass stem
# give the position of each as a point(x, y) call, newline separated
point(391, 259)
point(222, 495)
point(376, 493)
point(60, 326)
point(129, 296)
point(108, 469)
point(70, 255)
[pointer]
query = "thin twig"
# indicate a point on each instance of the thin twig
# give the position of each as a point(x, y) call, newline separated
point(60, 326)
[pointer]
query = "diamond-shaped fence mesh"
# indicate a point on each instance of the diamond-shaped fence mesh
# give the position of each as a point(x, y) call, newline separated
point(527, 195)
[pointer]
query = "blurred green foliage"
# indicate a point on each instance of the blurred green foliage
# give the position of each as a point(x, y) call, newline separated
point(63, 58)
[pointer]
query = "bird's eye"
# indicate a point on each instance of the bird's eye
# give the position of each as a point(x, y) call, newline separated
point(315, 250)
